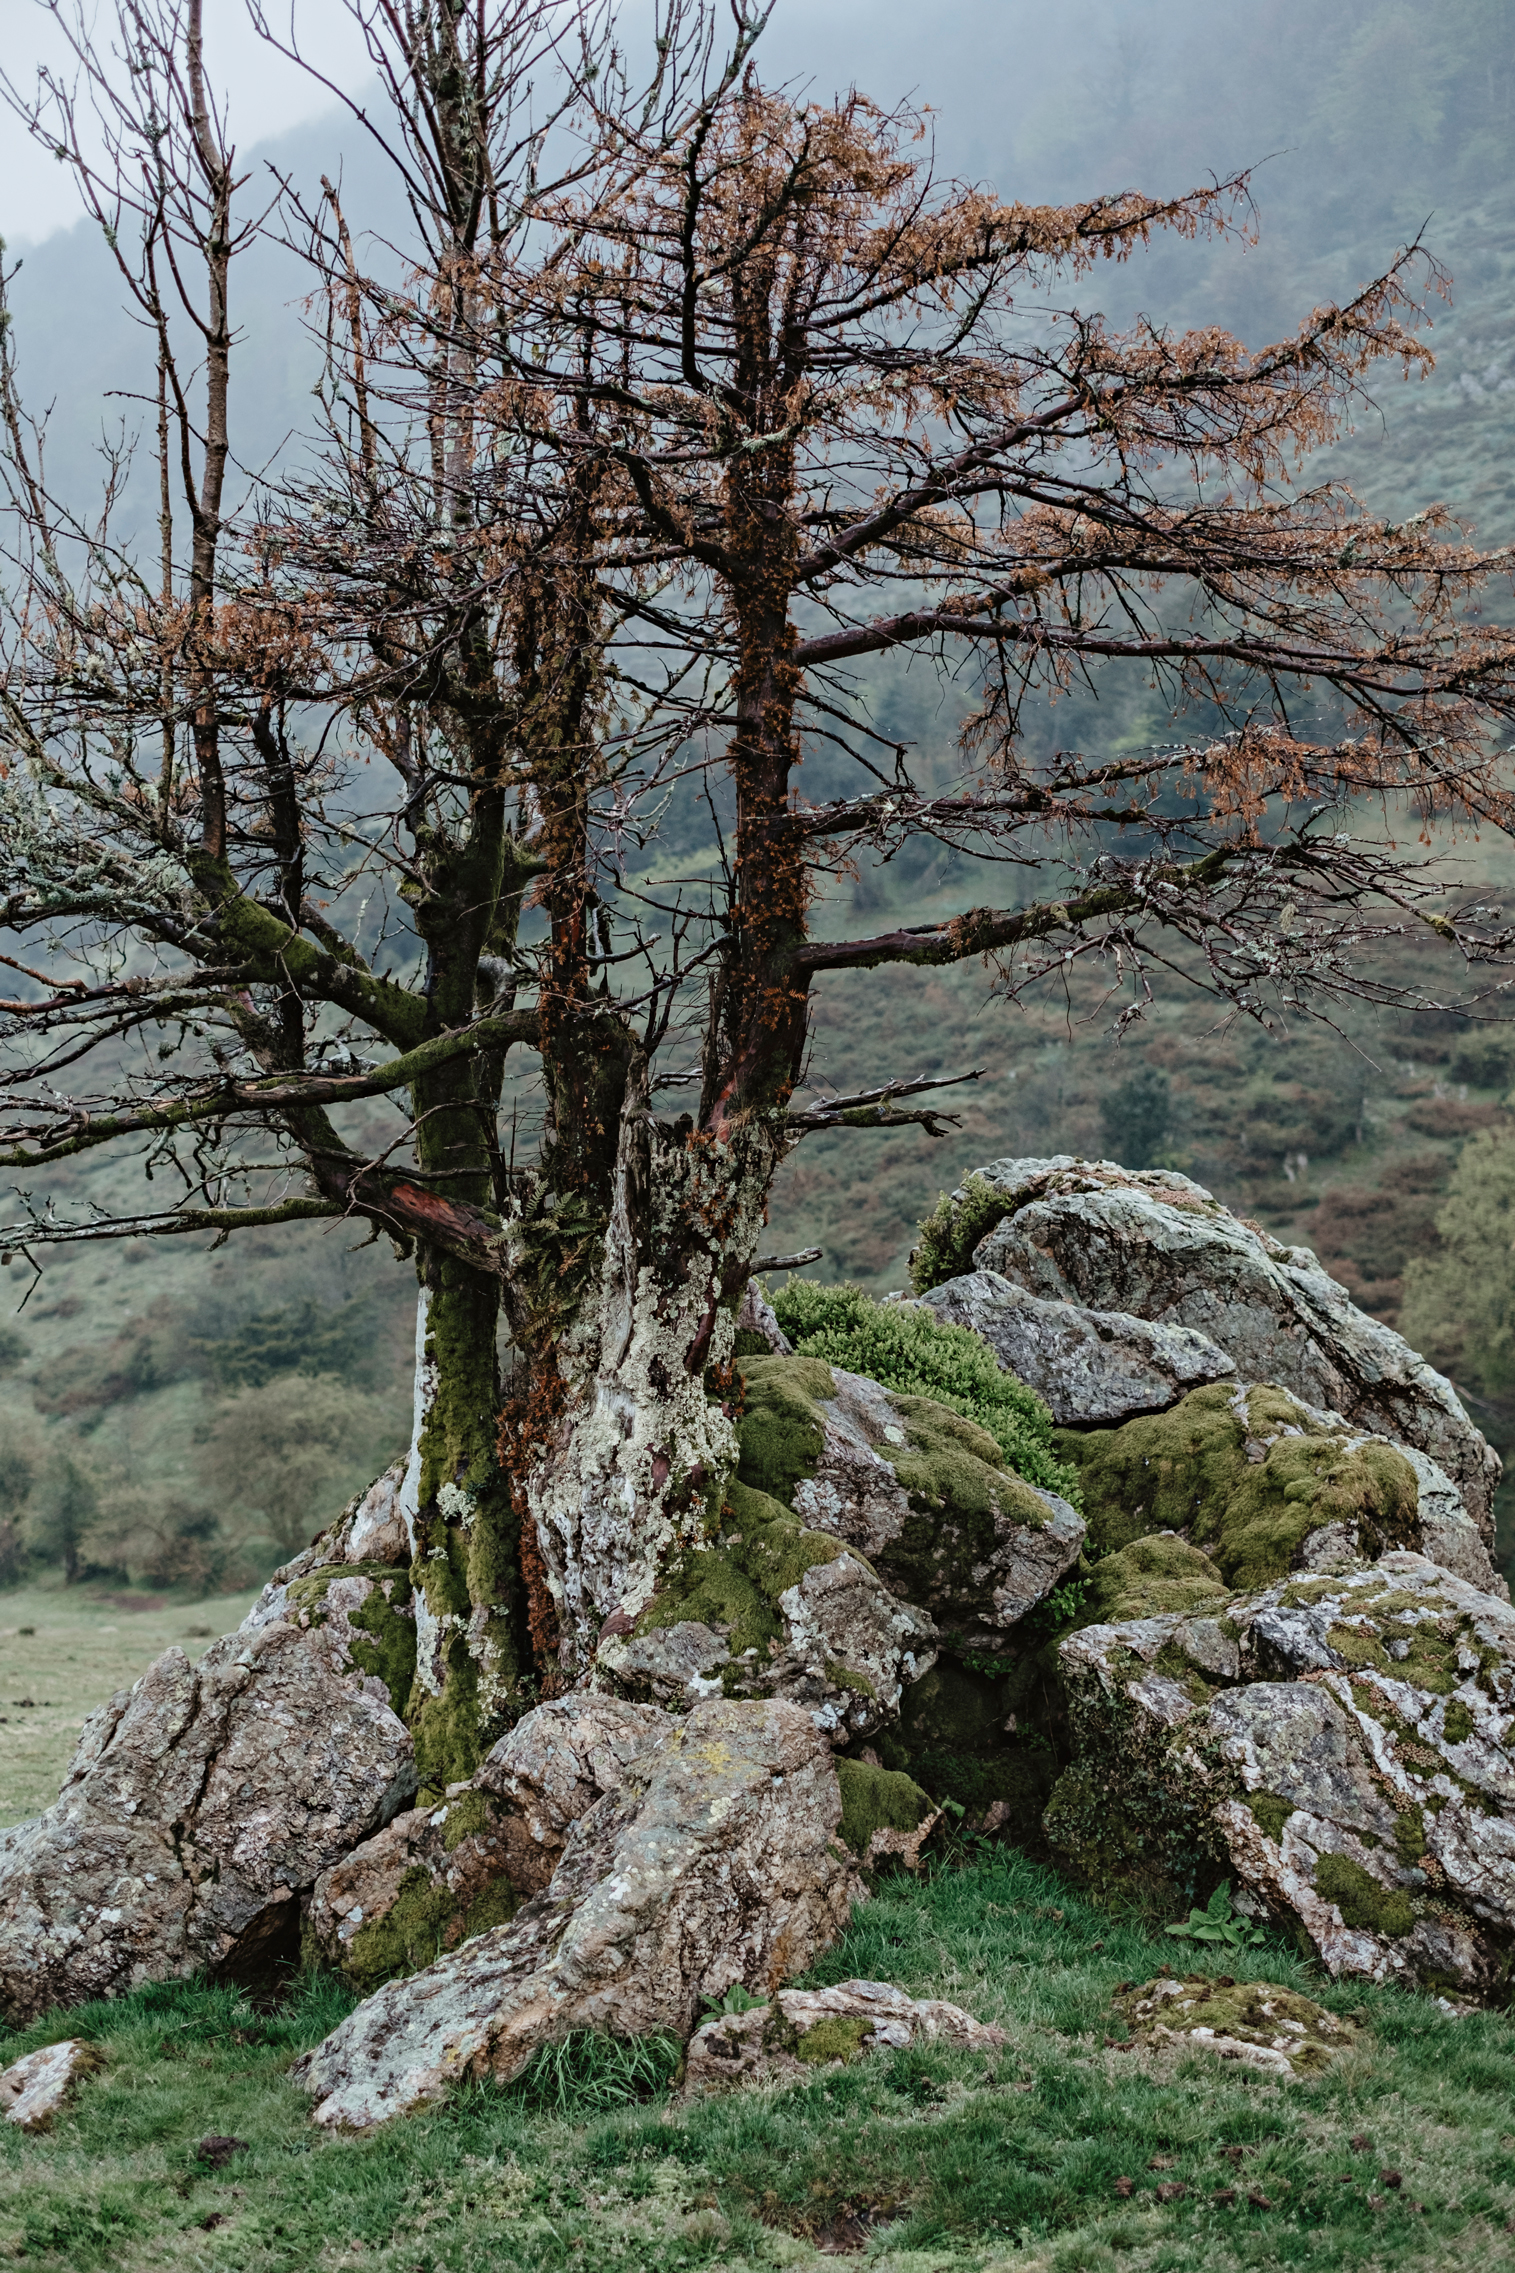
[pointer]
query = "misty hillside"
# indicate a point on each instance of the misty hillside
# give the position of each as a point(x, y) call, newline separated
point(132, 1369)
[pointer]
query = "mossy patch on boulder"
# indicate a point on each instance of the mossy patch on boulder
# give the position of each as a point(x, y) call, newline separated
point(1258, 2024)
point(1148, 1578)
point(877, 1799)
point(1248, 1479)
point(782, 1434)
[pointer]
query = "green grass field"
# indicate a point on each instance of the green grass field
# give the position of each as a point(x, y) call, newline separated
point(912, 2162)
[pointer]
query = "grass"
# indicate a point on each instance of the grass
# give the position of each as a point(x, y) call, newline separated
point(915, 2162)
point(65, 1650)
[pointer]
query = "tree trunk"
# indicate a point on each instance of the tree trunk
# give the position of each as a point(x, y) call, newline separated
point(625, 1445)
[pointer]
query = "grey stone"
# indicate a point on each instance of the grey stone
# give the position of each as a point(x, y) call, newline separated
point(1162, 1248)
point(1351, 1768)
point(33, 2089)
point(375, 1529)
point(716, 1862)
point(983, 1577)
point(200, 1805)
point(757, 1316)
point(767, 2043)
point(1091, 1368)
point(438, 1875)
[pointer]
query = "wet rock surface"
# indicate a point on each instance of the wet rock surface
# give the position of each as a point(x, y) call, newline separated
point(1257, 2024)
point(200, 1805)
point(33, 2090)
point(1091, 1368)
point(716, 1862)
point(802, 2029)
point(1161, 1248)
point(1338, 1746)
point(436, 1876)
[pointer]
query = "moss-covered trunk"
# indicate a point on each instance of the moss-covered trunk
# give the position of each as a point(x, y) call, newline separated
point(628, 1441)
point(464, 1534)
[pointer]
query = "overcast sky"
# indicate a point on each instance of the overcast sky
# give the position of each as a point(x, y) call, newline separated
point(970, 63)
point(266, 95)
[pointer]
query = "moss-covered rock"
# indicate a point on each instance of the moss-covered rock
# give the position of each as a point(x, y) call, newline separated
point(368, 1611)
point(926, 1494)
point(877, 1799)
point(1337, 1746)
point(1251, 1478)
point(1149, 1578)
point(1258, 2024)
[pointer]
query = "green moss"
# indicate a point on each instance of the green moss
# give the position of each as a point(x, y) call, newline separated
point(407, 1937)
point(877, 1799)
point(1410, 1836)
point(445, 1725)
point(780, 1431)
point(912, 1353)
point(1148, 1579)
point(1270, 1812)
point(390, 1650)
point(1364, 1904)
point(1458, 1724)
point(843, 1677)
point(1248, 2011)
point(946, 1240)
point(1421, 1656)
point(1187, 1470)
point(469, 1813)
point(837, 2038)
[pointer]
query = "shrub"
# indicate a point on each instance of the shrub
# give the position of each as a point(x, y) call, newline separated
point(910, 1352)
point(948, 1236)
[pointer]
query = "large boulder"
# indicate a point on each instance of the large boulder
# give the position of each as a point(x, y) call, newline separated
point(716, 1862)
point(436, 1876)
point(1156, 1246)
point(201, 1805)
point(1091, 1368)
point(1266, 1484)
point(1338, 1746)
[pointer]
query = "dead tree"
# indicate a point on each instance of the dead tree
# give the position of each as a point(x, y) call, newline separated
point(696, 398)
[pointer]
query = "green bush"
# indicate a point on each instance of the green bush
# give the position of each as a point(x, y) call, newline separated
point(944, 1246)
point(908, 1351)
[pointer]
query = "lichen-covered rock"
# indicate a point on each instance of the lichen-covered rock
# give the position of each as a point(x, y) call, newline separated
point(716, 1862)
point(923, 1493)
point(375, 1529)
point(1157, 1246)
point(1257, 2024)
point(770, 1608)
point(1338, 1746)
point(1091, 1368)
point(1266, 1484)
point(802, 2029)
point(34, 2089)
point(435, 1876)
point(200, 1806)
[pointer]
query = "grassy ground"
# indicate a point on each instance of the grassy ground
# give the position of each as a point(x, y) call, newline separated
point(65, 1650)
point(912, 2162)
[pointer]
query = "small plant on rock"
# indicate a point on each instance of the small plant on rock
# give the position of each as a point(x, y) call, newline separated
point(1219, 1922)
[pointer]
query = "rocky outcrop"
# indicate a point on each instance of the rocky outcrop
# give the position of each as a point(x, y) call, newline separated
point(1258, 2024)
point(1158, 1247)
point(33, 2090)
point(200, 1805)
point(802, 2029)
point(923, 1493)
point(715, 1863)
point(1338, 1746)
point(1266, 1484)
point(436, 1876)
point(1091, 1368)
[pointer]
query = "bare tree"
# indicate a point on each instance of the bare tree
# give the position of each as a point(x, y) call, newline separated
point(694, 398)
